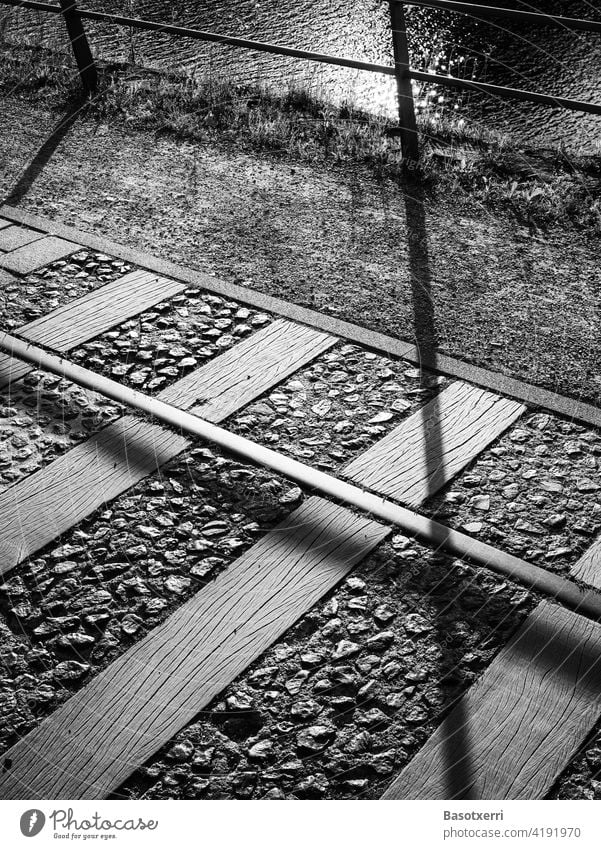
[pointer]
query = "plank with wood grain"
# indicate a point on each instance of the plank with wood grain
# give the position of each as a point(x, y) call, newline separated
point(514, 731)
point(44, 505)
point(89, 746)
point(424, 452)
point(37, 253)
point(588, 567)
point(84, 318)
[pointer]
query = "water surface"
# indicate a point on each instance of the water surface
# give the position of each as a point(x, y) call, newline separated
point(543, 59)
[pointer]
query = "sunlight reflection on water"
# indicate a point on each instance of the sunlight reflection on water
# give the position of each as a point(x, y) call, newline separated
point(543, 60)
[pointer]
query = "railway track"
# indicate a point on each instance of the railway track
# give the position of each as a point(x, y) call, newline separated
point(512, 732)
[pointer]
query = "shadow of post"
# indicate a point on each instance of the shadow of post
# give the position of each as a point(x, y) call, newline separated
point(44, 155)
point(458, 769)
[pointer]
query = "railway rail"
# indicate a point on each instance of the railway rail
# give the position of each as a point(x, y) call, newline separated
point(525, 716)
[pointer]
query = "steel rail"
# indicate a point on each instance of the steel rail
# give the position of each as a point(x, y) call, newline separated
point(561, 589)
point(506, 92)
point(203, 35)
point(477, 10)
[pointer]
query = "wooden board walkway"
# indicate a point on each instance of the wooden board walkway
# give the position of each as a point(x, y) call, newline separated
point(508, 737)
point(92, 743)
point(84, 318)
point(517, 728)
point(79, 769)
point(428, 449)
point(44, 505)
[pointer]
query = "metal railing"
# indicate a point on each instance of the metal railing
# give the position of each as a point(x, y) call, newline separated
point(401, 69)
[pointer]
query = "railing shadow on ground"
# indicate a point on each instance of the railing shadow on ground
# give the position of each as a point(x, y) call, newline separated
point(43, 156)
point(458, 772)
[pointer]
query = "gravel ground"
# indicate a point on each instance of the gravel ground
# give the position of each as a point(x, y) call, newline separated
point(169, 341)
point(536, 492)
point(41, 417)
point(337, 407)
point(331, 237)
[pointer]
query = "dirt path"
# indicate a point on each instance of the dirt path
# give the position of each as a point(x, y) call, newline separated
point(325, 236)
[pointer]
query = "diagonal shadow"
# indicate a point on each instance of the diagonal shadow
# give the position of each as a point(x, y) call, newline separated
point(574, 663)
point(458, 766)
point(44, 155)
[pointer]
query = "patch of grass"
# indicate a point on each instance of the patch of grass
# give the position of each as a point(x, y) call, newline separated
point(31, 71)
point(540, 189)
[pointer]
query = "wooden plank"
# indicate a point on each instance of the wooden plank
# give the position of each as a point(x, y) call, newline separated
point(588, 567)
point(47, 503)
point(36, 510)
point(431, 446)
point(89, 746)
point(521, 723)
point(248, 369)
point(84, 318)
point(38, 253)
point(14, 237)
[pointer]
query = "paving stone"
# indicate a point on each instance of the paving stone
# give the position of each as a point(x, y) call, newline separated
point(40, 252)
point(14, 237)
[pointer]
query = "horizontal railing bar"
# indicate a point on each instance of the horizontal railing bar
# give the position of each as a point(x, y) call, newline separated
point(202, 35)
point(33, 4)
point(476, 10)
point(505, 92)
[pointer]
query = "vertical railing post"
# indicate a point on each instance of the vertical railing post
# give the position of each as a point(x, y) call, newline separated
point(408, 124)
point(79, 43)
